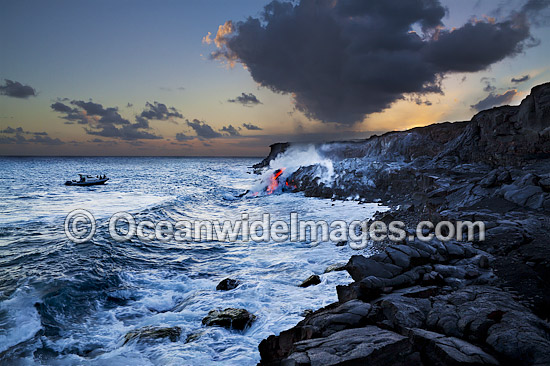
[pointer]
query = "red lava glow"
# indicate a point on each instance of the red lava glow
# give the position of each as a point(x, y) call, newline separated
point(274, 181)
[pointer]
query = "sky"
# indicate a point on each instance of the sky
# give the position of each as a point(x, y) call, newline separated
point(229, 78)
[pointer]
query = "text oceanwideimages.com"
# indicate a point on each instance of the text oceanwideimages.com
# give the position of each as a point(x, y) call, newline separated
point(80, 226)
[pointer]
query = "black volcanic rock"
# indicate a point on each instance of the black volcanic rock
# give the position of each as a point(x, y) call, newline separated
point(310, 281)
point(227, 284)
point(360, 267)
point(229, 318)
point(276, 149)
point(153, 333)
point(517, 334)
point(507, 135)
point(363, 346)
point(442, 350)
point(335, 267)
point(479, 302)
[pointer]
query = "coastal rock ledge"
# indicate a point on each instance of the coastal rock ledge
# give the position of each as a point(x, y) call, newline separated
point(448, 311)
point(478, 302)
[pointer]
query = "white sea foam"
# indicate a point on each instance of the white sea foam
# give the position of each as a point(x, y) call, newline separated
point(21, 321)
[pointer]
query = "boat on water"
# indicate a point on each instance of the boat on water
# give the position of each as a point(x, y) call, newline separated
point(87, 180)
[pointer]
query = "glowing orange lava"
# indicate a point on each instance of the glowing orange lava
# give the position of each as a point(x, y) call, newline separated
point(274, 181)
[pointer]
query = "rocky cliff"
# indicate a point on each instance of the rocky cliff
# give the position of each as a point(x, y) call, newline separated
point(498, 136)
point(507, 135)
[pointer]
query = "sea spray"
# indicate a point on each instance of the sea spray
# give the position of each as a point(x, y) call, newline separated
point(19, 320)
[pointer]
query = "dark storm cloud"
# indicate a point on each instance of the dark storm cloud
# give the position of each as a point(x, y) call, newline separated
point(17, 139)
point(520, 79)
point(126, 132)
point(107, 115)
point(60, 107)
point(251, 127)
point(45, 140)
point(159, 111)
point(10, 130)
point(107, 121)
point(183, 137)
point(342, 60)
point(16, 90)
point(476, 45)
point(203, 130)
point(230, 130)
point(246, 99)
point(537, 11)
point(156, 111)
point(72, 114)
point(494, 99)
point(20, 136)
point(20, 130)
point(83, 111)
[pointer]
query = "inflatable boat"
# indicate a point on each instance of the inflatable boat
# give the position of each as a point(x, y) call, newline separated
point(87, 180)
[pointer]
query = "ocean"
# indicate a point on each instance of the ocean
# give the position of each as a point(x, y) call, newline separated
point(67, 303)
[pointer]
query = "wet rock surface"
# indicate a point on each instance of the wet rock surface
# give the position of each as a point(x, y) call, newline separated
point(153, 333)
point(336, 267)
point(451, 309)
point(311, 281)
point(230, 318)
point(442, 350)
point(366, 346)
point(476, 301)
point(227, 284)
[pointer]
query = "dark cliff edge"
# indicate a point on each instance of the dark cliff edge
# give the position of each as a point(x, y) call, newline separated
point(498, 136)
point(479, 302)
point(276, 149)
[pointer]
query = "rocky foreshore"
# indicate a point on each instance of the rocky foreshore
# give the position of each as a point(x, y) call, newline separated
point(484, 302)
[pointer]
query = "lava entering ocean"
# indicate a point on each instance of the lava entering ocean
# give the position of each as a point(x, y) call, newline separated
point(274, 181)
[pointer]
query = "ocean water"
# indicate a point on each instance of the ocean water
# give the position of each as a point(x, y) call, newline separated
point(63, 303)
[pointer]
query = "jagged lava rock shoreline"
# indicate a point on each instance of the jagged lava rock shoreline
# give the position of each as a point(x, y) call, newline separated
point(439, 303)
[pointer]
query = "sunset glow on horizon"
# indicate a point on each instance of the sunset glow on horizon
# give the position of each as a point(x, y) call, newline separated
point(177, 79)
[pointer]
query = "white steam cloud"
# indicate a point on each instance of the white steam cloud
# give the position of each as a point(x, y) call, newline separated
point(295, 157)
